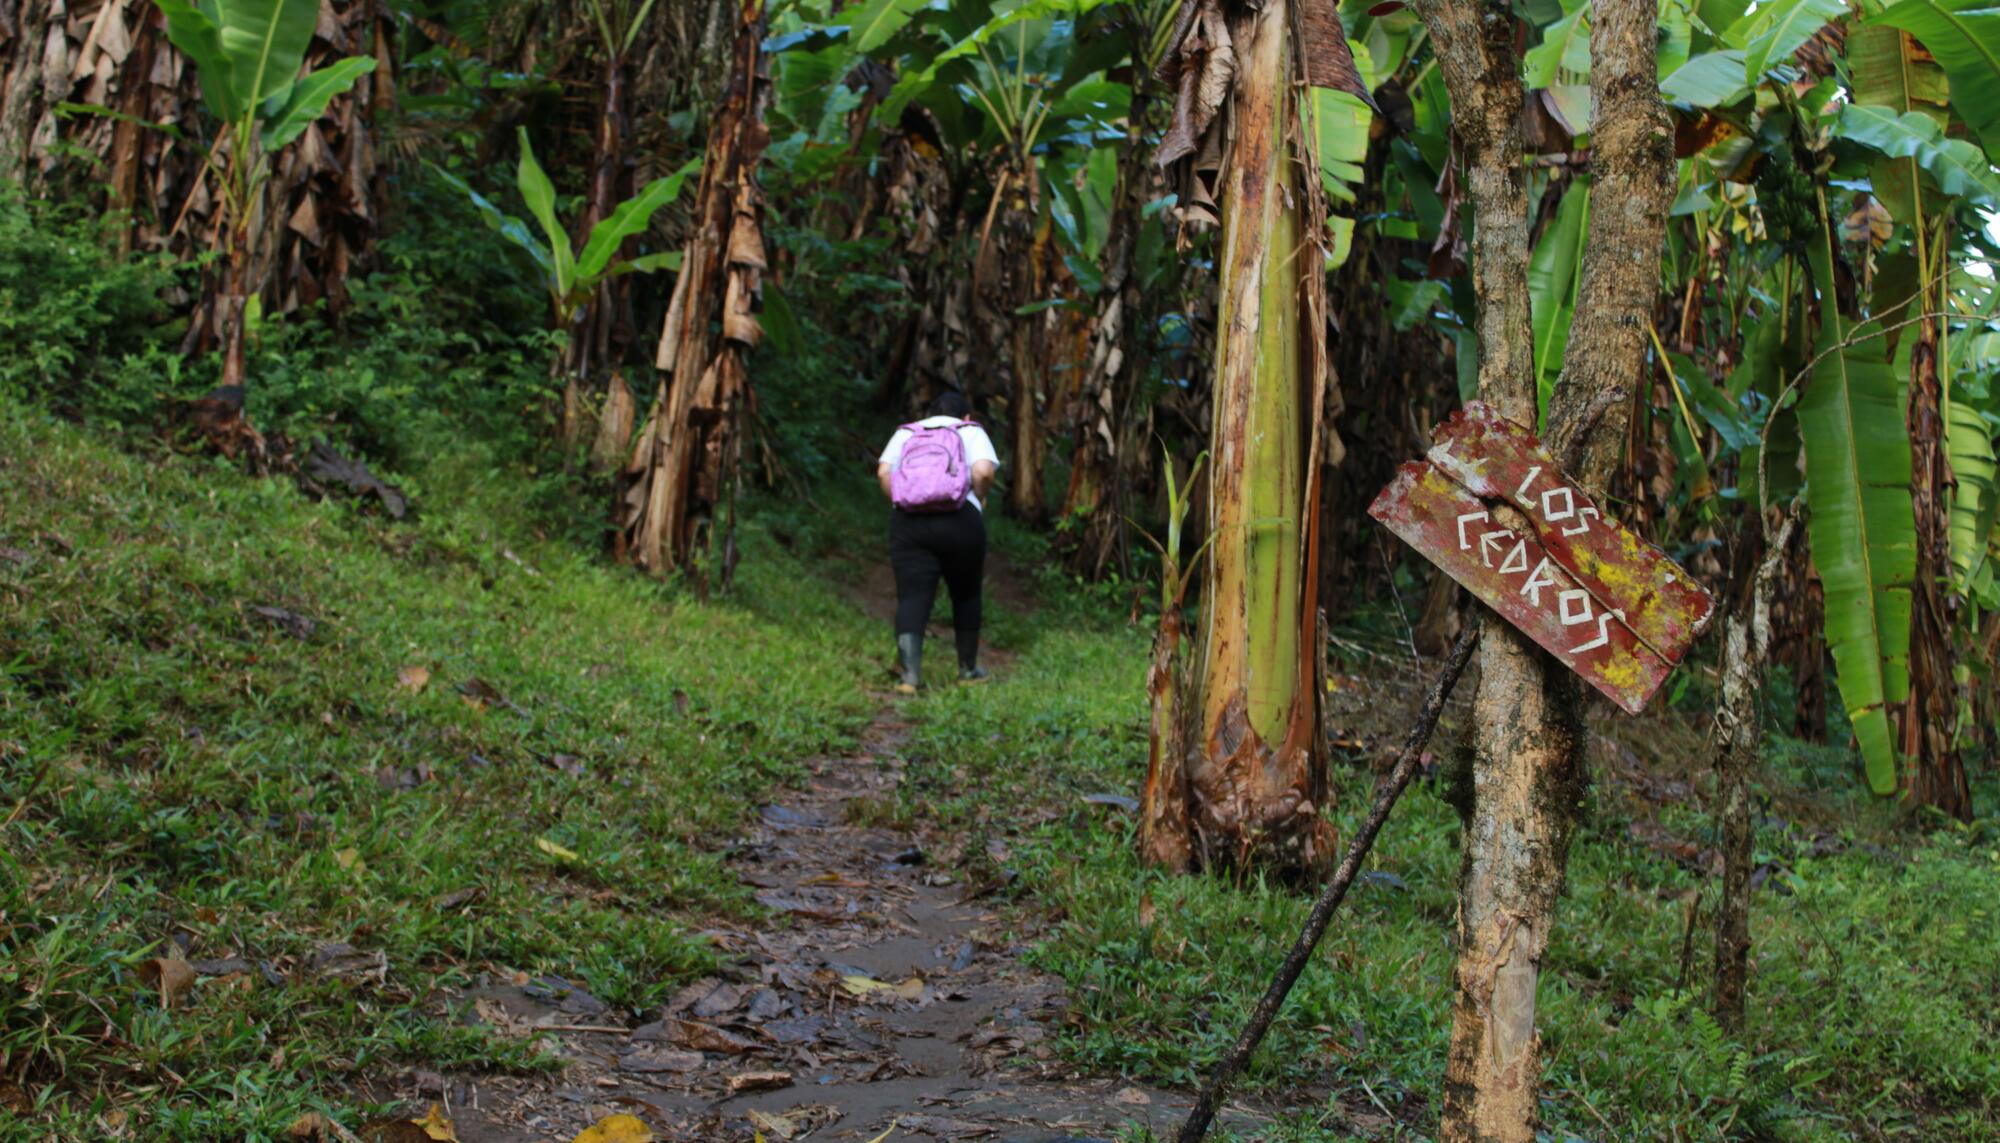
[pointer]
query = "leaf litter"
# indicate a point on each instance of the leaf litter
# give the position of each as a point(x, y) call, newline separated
point(878, 992)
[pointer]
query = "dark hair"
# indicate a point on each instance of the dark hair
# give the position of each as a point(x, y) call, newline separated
point(951, 403)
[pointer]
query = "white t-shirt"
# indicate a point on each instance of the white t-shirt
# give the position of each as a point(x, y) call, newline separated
point(978, 447)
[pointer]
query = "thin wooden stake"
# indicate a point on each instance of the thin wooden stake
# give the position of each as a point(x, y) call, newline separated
point(1226, 1069)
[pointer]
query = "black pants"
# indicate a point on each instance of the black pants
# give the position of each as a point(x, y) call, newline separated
point(925, 546)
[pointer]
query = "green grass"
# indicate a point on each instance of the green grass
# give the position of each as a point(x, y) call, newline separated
point(1875, 1004)
point(177, 772)
point(180, 776)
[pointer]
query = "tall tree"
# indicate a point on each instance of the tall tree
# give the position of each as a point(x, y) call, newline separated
point(1242, 751)
point(681, 481)
point(1528, 714)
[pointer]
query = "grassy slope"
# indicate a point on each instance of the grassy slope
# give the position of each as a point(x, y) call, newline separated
point(175, 769)
point(174, 766)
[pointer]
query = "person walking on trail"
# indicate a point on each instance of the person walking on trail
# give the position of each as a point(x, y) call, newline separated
point(936, 473)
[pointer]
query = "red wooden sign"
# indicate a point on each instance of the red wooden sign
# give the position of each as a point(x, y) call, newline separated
point(1612, 607)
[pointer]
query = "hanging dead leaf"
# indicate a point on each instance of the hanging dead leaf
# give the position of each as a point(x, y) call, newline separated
point(413, 678)
point(616, 1129)
point(171, 975)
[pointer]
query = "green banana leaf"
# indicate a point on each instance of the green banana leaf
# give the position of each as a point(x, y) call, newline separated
point(509, 227)
point(540, 195)
point(307, 99)
point(1961, 169)
point(1711, 79)
point(874, 22)
point(1891, 71)
point(1968, 444)
point(1552, 280)
point(1964, 36)
point(625, 220)
point(1774, 30)
point(1565, 47)
point(245, 52)
point(1863, 532)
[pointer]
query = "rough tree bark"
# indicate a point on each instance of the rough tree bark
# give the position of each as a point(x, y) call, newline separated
point(1528, 759)
point(1739, 732)
point(1094, 505)
point(595, 340)
point(683, 472)
point(1934, 774)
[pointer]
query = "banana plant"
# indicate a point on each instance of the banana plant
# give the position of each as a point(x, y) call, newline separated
point(572, 278)
point(247, 57)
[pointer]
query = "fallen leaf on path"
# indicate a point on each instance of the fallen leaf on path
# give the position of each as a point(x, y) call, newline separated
point(291, 622)
point(448, 901)
point(436, 1126)
point(343, 960)
point(695, 1036)
point(784, 904)
point(724, 999)
point(171, 975)
point(798, 1121)
point(413, 678)
point(868, 987)
point(759, 1081)
point(653, 1061)
point(1132, 1096)
point(556, 851)
point(616, 1129)
point(947, 1128)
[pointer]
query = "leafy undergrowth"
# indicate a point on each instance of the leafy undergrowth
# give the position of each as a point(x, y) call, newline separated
point(1875, 992)
point(237, 726)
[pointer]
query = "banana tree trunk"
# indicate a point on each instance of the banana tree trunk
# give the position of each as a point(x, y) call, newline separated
point(1529, 748)
point(1256, 777)
point(1027, 350)
point(681, 481)
point(1934, 774)
point(595, 337)
point(1094, 504)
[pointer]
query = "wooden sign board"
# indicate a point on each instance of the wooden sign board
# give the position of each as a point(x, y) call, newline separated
point(1588, 590)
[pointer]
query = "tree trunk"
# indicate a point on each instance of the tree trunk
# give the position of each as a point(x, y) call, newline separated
point(1094, 505)
point(1934, 774)
point(596, 343)
point(1256, 775)
point(683, 473)
point(1740, 734)
point(1028, 367)
point(1528, 760)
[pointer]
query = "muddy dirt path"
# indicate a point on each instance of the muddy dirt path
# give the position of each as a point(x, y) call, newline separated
point(887, 994)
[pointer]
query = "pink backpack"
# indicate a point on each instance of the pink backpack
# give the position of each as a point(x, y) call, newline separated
point(933, 475)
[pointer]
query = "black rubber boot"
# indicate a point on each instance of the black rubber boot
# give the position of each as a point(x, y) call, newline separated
point(968, 657)
point(910, 649)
